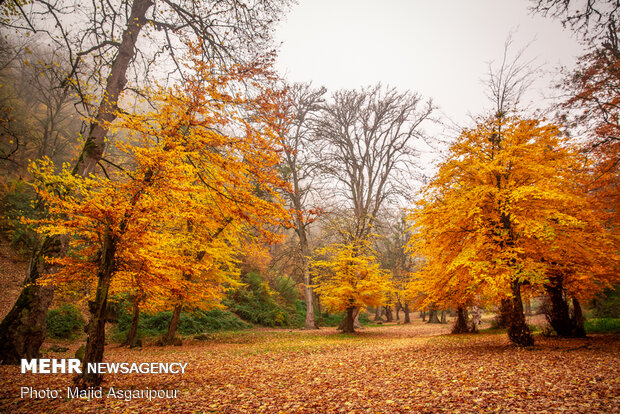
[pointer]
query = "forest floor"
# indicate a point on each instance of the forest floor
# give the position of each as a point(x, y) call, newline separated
point(382, 369)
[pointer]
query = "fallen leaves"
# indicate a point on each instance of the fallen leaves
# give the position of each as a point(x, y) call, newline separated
point(389, 369)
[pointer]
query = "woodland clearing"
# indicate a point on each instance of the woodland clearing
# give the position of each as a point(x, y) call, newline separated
point(391, 368)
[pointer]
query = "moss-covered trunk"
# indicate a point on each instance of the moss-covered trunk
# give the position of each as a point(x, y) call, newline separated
point(22, 331)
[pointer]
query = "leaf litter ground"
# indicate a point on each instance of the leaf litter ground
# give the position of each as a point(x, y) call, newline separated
point(387, 369)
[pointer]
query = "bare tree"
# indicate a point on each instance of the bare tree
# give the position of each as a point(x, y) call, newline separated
point(368, 155)
point(594, 19)
point(507, 82)
point(101, 42)
point(300, 171)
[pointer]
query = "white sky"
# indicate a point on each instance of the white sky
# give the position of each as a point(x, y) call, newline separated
point(440, 49)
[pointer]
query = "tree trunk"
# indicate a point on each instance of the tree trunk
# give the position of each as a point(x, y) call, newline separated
point(23, 330)
point(423, 316)
point(356, 319)
point(388, 313)
point(432, 316)
point(132, 335)
point(94, 146)
point(579, 330)
point(460, 325)
point(170, 338)
point(558, 315)
point(518, 331)
point(378, 314)
point(406, 310)
point(95, 329)
point(443, 317)
point(347, 324)
point(305, 251)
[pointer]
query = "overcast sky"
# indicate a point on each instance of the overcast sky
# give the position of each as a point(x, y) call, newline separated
point(440, 49)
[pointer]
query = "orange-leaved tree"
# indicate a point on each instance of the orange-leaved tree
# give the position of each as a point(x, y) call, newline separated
point(199, 170)
point(505, 210)
point(349, 278)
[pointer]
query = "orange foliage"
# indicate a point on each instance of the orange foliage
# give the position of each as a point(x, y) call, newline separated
point(508, 205)
point(201, 172)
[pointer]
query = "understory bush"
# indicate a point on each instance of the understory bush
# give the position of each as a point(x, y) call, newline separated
point(190, 323)
point(257, 303)
point(603, 325)
point(64, 322)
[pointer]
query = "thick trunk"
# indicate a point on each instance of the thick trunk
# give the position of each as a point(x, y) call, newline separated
point(388, 313)
point(518, 331)
point(443, 317)
point(558, 315)
point(356, 318)
point(95, 329)
point(460, 325)
point(579, 330)
point(170, 336)
point(406, 310)
point(94, 146)
point(397, 308)
point(132, 335)
point(347, 324)
point(423, 316)
point(432, 316)
point(22, 331)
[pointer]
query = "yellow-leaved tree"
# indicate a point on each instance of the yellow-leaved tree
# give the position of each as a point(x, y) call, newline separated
point(507, 209)
point(349, 278)
point(198, 171)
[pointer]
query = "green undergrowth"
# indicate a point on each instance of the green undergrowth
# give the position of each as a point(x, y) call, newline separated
point(603, 325)
point(153, 325)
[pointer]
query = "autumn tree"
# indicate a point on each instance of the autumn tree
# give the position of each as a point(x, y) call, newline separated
point(300, 170)
point(102, 43)
point(367, 154)
point(187, 245)
point(504, 210)
point(349, 278)
point(592, 111)
point(391, 247)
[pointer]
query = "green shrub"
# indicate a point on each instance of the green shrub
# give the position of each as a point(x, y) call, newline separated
point(607, 304)
point(256, 303)
point(64, 322)
point(334, 319)
point(17, 202)
point(603, 325)
point(152, 325)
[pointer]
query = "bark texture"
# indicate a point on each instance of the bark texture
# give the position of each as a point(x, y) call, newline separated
point(406, 311)
point(22, 331)
point(460, 325)
point(132, 336)
point(170, 338)
point(95, 342)
point(518, 331)
point(348, 323)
